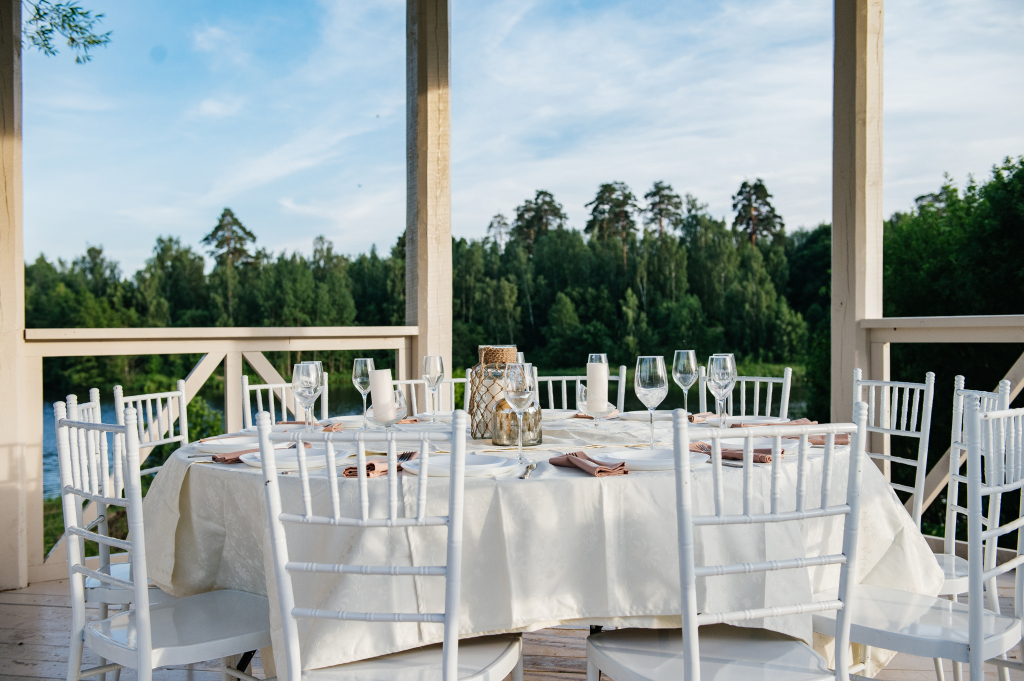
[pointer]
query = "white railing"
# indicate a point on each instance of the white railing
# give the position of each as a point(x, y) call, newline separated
point(977, 329)
point(227, 345)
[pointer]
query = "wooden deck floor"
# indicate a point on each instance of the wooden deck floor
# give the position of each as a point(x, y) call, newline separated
point(34, 630)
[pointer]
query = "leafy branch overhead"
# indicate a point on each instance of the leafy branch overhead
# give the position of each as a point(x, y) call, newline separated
point(46, 22)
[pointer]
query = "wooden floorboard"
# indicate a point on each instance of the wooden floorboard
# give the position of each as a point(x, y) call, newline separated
point(35, 628)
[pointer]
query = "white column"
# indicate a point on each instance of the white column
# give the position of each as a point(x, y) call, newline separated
point(856, 194)
point(428, 233)
point(233, 392)
point(20, 481)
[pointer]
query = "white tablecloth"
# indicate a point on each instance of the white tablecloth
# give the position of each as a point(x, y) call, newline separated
point(561, 547)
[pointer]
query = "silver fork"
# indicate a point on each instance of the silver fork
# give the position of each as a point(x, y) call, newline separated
point(529, 469)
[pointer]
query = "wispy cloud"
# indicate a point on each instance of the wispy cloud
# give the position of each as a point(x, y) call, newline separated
point(219, 107)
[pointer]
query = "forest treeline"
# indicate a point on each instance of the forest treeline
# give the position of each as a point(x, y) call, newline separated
point(644, 275)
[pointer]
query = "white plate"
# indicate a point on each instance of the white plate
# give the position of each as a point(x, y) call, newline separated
point(747, 419)
point(638, 459)
point(288, 459)
point(441, 416)
point(277, 428)
point(759, 443)
point(226, 445)
point(659, 415)
point(476, 465)
point(557, 413)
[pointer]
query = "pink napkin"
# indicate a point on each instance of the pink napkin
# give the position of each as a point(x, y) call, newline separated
point(701, 417)
point(615, 412)
point(376, 469)
point(588, 465)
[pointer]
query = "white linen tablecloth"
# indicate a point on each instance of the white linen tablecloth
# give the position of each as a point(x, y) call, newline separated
point(561, 547)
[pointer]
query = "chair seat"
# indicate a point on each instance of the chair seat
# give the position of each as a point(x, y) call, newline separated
point(924, 626)
point(187, 630)
point(727, 653)
point(954, 570)
point(100, 592)
point(488, 658)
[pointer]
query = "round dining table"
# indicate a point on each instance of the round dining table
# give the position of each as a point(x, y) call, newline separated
point(559, 548)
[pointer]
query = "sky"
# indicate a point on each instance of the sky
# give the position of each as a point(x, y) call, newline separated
point(293, 114)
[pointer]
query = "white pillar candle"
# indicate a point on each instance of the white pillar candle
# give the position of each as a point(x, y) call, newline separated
point(597, 387)
point(382, 392)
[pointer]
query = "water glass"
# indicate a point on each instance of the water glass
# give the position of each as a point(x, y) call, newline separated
point(519, 393)
point(684, 373)
point(721, 379)
point(401, 411)
point(307, 382)
point(433, 374)
point(597, 358)
point(581, 405)
point(320, 368)
point(361, 369)
point(650, 382)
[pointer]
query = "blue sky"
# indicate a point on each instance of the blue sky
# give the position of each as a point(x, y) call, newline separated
point(293, 114)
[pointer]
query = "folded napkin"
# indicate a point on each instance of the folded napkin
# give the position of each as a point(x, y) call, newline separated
point(700, 447)
point(378, 469)
point(701, 417)
point(588, 465)
point(615, 412)
point(295, 423)
point(759, 454)
point(218, 437)
point(408, 420)
point(841, 439)
point(334, 427)
point(798, 422)
point(236, 457)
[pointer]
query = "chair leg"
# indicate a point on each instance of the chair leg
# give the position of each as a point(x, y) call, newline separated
point(939, 673)
point(103, 616)
point(593, 673)
point(227, 662)
point(75, 655)
point(958, 671)
point(517, 673)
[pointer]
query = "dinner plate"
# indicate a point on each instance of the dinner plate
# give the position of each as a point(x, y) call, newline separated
point(441, 416)
point(226, 445)
point(555, 414)
point(758, 443)
point(645, 415)
point(277, 428)
point(747, 419)
point(476, 465)
point(638, 459)
point(288, 459)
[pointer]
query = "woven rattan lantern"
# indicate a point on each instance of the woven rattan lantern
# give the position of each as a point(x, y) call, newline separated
point(485, 387)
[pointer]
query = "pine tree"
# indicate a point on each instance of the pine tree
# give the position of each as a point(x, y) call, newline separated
point(612, 214)
point(664, 207)
point(499, 229)
point(536, 217)
point(227, 242)
point(754, 212)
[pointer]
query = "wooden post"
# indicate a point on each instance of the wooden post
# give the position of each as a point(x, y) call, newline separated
point(856, 193)
point(428, 233)
point(233, 392)
point(20, 466)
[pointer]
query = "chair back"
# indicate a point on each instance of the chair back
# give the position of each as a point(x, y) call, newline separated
point(620, 400)
point(81, 482)
point(282, 524)
point(156, 414)
point(412, 383)
point(756, 383)
point(995, 453)
point(731, 511)
point(285, 399)
point(987, 401)
point(905, 410)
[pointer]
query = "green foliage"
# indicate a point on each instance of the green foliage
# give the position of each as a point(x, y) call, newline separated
point(536, 217)
point(45, 20)
point(228, 244)
point(755, 215)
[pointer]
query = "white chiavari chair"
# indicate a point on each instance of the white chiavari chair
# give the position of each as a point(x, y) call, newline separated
point(489, 658)
point(954, 568)
point(935, 627)
point(569, 398)
point(446, 387)
point(150, 635)
point(755, 383)
point(157, 413)
point(904, 410)
point(285, 400)
point(704, 647)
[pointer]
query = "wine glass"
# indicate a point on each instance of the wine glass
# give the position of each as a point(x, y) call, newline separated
point(684, 373)
point(361, 369)
point(320, 368)
point(650, 382)
point(519, 395)
point(581, 405)
point(433, 374)
point(721, 379)
point(400, 412)
point(597, 358)
point(306, 385)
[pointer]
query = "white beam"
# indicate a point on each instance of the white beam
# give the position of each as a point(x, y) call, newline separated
point(428, 233)
point(856, 193)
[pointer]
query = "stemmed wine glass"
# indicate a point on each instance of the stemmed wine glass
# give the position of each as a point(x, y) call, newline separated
point(433, 374)
point(684, 373)
point(650, 382)
point(581, 405)
point(361, 369)
point(597, 358)
point(519, 395)
point(320, 368)
point(307, 385)
point(721, 379)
